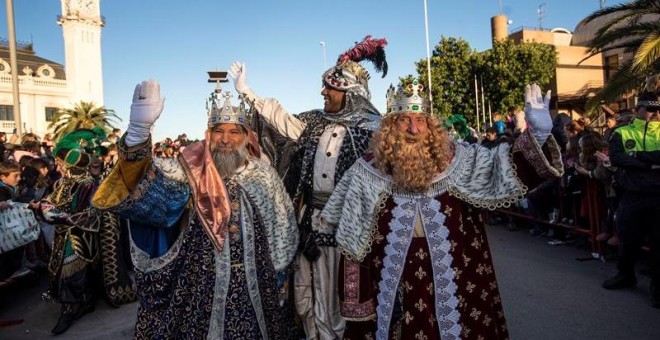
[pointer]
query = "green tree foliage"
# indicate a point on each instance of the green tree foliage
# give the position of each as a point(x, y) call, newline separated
point(504, 71)
point(508, 67)
point(451, 69)
point(635, 28)
point(85, 115)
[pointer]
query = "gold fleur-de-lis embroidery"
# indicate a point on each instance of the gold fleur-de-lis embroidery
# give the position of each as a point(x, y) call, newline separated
point(470, 287)
point(420, 305)
point(447, 211)
point(407, 317)
point(480, 269)
point(475, 314)
point(453, 245)
point(484, 294)
point(421, 254)
point(485, 255)
point(466, 333)
point(481, 337)
point(460, 227)
point(420, 273)
point(376, 261)
point(429, 288)
point(489, 269)
point(421, 336)
point(407, 286)
point(378, 237)
point(476, 244)
point(497, 299)
point(461, 300)
point(493, 285)
point(487, 320)
point(432, 320)
point(466, 260)
point(457, 273)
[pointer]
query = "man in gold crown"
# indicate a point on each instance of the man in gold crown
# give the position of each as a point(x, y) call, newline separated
point(327, 143)
point(212, 231)
point(416, 261)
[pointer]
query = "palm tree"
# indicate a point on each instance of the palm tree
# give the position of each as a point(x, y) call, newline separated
point(85, 115)
point(635, 28)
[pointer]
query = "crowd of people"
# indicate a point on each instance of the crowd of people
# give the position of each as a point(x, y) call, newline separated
point(348, 224)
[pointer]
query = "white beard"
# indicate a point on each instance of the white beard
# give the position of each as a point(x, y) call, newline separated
point(228, 162)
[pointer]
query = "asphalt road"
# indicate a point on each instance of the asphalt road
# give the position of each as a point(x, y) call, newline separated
point(547, 294)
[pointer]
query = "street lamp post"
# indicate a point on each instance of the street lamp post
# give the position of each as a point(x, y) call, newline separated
point(325, 58)
point(428, 54)
point(14, 66)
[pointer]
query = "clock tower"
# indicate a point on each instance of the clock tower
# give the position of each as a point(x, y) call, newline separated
point(81, 23)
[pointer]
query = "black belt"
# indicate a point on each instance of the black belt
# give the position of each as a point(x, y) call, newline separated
point(319, 199)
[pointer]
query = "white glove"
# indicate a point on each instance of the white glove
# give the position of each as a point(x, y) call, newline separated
point(537, 112)
point(238, 73)
point(145, 110)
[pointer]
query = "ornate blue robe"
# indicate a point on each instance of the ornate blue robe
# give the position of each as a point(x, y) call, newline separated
point(187, 289)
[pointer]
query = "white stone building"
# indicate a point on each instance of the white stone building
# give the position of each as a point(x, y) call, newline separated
point(44, 85)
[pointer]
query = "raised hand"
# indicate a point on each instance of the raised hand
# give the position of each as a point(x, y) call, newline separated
point(537, 112)
point(238, 73)
point(145, 110)
point(147, 102)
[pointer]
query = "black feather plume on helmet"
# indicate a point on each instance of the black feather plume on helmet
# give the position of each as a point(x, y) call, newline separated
point(369, 49)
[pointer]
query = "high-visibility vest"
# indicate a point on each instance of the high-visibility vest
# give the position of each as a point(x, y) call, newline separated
point(640, 135)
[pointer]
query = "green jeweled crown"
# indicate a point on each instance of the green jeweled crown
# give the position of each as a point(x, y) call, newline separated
point(408, 98)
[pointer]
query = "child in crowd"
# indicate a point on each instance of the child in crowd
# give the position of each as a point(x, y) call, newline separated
point(33, 187)
point(11, 261)
point(499, 124)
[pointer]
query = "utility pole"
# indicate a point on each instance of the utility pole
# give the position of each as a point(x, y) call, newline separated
point(428, 56)
point(540, 14)
point(483, 99)
point(14, 66)
point(476, 102)
point(325, 58)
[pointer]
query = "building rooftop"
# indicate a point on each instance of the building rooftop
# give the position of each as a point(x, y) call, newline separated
point(27, 58)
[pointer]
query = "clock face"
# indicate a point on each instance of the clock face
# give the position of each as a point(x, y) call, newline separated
point(86, 6)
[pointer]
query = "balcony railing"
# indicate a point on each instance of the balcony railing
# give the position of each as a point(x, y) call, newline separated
point(7, 125)
point(36, 81)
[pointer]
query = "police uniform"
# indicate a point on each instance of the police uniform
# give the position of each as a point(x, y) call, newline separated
point(635, 151)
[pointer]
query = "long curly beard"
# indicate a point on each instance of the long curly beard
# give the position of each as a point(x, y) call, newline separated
point(411, 163)
point(228, 162)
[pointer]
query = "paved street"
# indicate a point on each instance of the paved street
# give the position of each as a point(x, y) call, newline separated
point(547, 294)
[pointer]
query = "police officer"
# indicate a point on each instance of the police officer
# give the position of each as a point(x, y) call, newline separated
point(635, 151)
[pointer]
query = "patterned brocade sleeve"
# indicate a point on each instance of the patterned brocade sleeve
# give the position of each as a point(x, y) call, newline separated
point(123, 179)
point(151, 192)
point(536, 163)
point(352, 207)
point(484, 177)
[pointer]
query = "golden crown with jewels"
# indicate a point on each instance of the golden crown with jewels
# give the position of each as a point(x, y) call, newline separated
point(225, 113)
point(408, 98)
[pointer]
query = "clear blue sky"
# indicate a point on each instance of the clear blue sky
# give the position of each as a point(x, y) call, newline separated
point(176, 42)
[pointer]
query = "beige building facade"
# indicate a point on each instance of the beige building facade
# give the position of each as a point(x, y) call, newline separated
point(577, 78)
point(46, 86)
